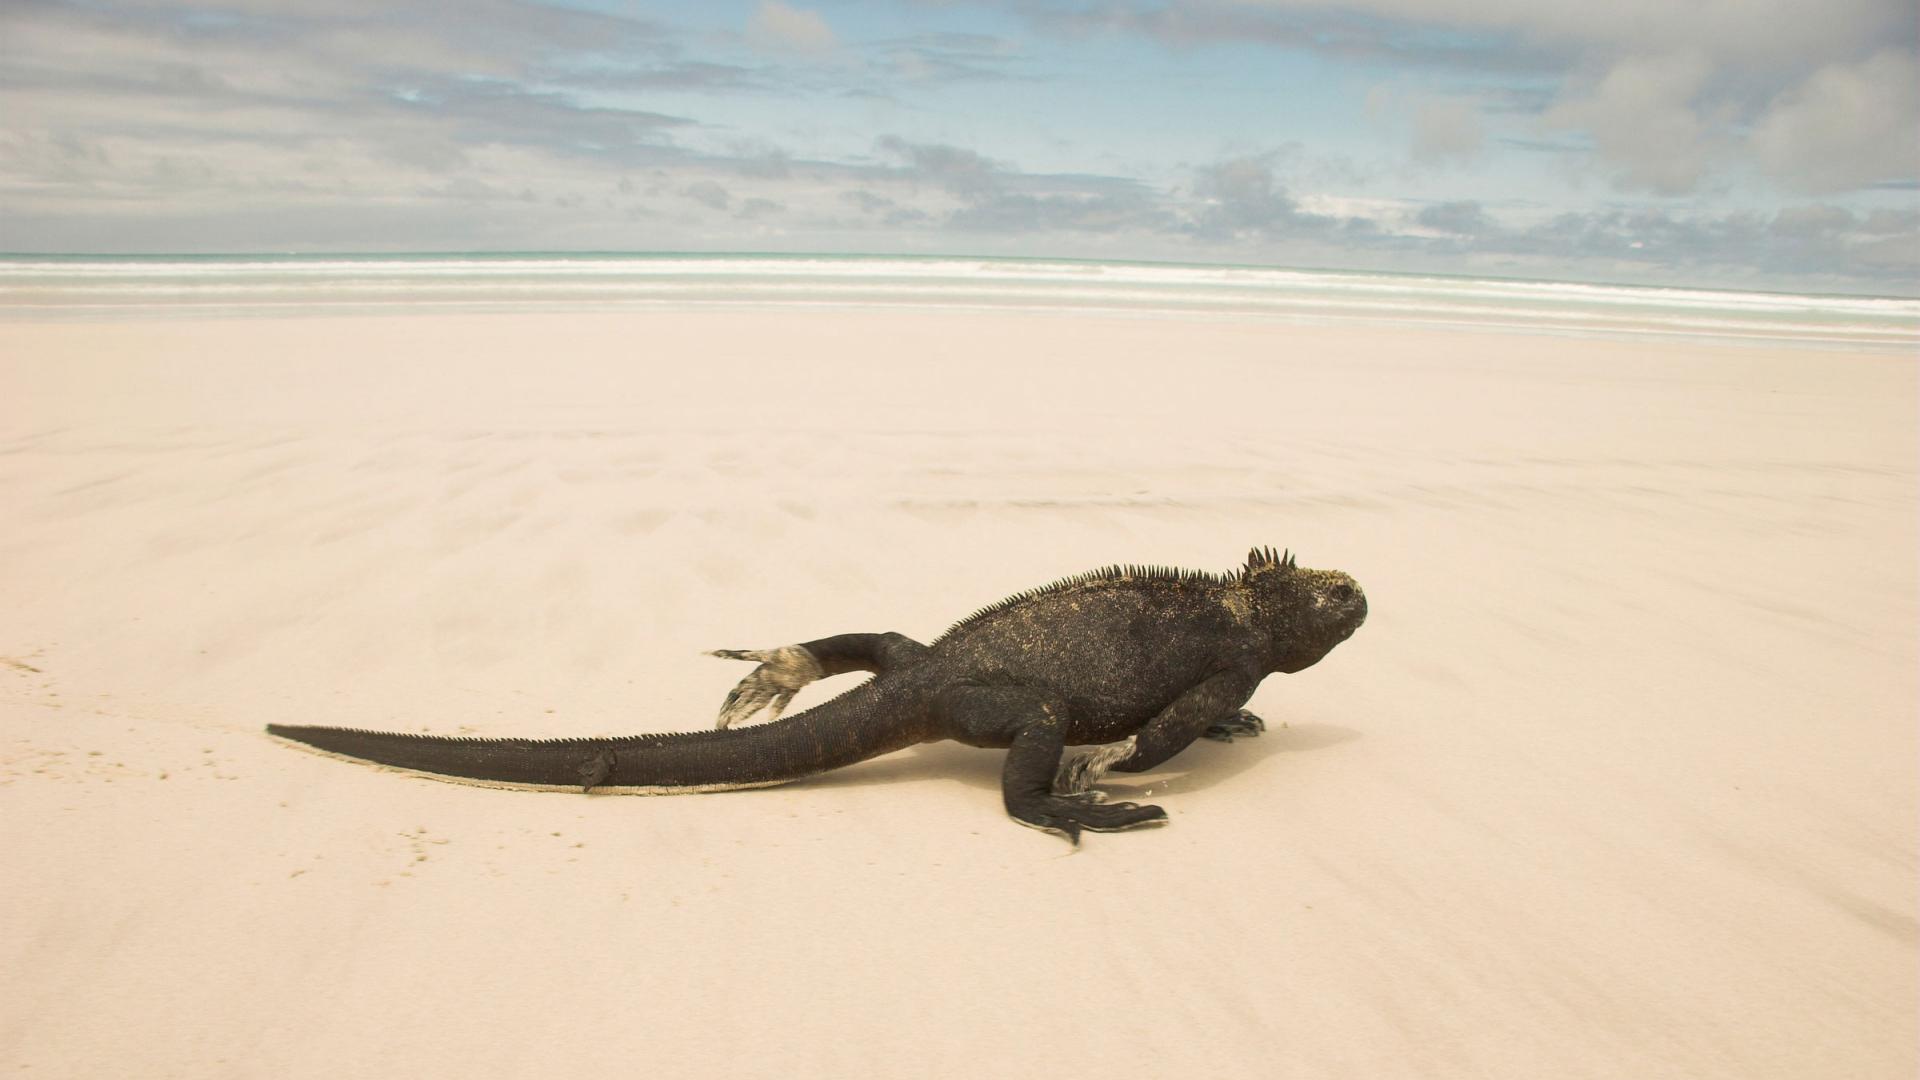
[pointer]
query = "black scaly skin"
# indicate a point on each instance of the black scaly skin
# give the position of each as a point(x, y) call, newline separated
point(1159, 655)
point(848, 729)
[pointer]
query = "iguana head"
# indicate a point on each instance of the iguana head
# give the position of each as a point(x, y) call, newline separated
point(1307, 612)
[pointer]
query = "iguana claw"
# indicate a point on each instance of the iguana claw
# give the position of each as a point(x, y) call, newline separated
point(1240, 723)
point(781, 674)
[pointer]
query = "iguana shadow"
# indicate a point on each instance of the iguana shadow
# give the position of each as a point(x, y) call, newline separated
point(1200, 766)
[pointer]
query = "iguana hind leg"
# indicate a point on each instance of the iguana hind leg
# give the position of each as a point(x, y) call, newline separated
point(1081, 767)
point(595, 770)
point(1031, 725)
point(785, 670)
point(781, 674)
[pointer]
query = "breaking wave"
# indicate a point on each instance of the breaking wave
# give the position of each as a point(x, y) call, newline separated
point(110, 286)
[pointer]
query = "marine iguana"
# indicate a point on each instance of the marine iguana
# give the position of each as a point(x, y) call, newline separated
point(1127, 665)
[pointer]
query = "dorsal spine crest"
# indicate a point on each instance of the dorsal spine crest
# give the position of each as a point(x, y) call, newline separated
point(1257, 559)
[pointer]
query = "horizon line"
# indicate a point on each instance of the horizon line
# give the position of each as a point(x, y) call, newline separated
point(1110, 261)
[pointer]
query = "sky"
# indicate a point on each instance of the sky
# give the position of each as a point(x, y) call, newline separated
point(1769, 144)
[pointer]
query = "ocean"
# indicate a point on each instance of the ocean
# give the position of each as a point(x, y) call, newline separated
point(107, 287)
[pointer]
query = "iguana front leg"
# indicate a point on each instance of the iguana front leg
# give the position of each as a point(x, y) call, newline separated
point(785, 670)
point(1191, 715)
point(1081, 767)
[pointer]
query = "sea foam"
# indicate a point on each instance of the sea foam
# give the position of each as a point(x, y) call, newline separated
point(145, 286)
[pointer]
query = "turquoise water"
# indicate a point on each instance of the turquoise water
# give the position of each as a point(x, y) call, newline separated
point(106, 287)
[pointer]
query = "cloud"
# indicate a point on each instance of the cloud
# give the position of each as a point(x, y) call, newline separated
point(1444, 130)
point(708, 193)
point(756, 208)
point(481, 112)
point(1847, 126)
point(760, 161)
point(1240, 205)
point(961, 171)
point(1662, 95)
point(1447, 131)
point(1461, 218)
point(1347, 31)
point(1078, 211)
point(689, 75)
point(259, 46)
point(866, 201)
point(172, 110)
point(1806, 221)
point(342, 124)
point(781, 26)
point(1885, 222)
point(946, 57)
point(1805, 241)
point(995, 198)
point(1242, 197)
point(1506, 35)
point(1645, 121)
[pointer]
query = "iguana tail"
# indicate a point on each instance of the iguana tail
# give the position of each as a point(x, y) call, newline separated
point(848, 729)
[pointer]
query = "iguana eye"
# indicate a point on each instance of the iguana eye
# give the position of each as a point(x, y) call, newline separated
point(1341, 592)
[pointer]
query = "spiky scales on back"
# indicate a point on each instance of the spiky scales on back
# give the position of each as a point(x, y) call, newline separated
point(1122, 575)
point(1258, 559)
point(1143, 659)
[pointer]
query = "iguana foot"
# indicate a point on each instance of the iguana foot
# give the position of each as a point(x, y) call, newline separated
point(1067, 816)
point(1240, 723)
point(1082, 766)
point(781, 674)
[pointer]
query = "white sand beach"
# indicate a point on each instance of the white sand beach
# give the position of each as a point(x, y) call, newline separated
point(1618, 781)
